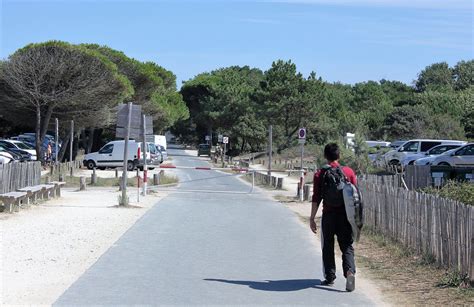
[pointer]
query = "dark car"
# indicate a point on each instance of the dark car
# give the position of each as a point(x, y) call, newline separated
point(204, 150)
point(18, 154)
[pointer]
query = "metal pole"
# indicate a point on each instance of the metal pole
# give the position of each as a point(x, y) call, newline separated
point(302, 172)
point(253, 181)
point(57, 140)
point(144, 152)
point(270, 149)
point(125, 154)
point(71, 141)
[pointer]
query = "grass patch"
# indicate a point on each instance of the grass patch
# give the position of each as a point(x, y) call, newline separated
point(416, 278)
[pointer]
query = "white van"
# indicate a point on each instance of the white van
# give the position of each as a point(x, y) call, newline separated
point(160, 140)
point(111, 155)
point(417, 146)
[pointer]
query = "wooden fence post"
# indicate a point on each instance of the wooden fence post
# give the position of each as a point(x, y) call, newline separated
point(82, 183)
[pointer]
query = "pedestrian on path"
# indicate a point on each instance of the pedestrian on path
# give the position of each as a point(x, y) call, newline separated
point(327, 187)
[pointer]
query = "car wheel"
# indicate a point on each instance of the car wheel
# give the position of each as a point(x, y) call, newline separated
point(90, 164)
point(411, 163)
point(130, 166)
point(444, 164)
point(101, 168)
point(394, 162)
point(151, 168)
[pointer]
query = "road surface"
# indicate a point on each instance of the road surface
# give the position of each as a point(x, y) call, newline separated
point(225, 247)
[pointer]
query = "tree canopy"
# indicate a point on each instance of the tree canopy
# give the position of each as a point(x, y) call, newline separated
point(85, 83)
point(241, 102)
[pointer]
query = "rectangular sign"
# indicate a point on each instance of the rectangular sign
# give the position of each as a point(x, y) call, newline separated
point(135, 133)
point(122, 116)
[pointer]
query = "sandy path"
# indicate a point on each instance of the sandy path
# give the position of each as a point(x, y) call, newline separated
point(46, 248)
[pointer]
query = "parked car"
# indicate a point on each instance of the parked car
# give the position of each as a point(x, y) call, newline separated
point(5, 157)
point(433, 152)
point(204, 150)
point(13, 144)
point(155, 153)
point(429, 159)
point(163, 151)
point(378, 144)
point(463, 156)
point(397, 144)
point(17, 154)
point(112, 155)
point(417, 146)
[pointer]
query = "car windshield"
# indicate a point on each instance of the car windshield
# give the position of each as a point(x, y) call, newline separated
point(22, 146)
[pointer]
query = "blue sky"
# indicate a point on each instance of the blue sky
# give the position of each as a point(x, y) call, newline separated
point(342, 40)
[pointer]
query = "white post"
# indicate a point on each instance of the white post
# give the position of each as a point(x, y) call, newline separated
point(71, 141)
point(125, 154)
point(270, 149)
point(302, 172)
point(144, 152)
point(57, 140)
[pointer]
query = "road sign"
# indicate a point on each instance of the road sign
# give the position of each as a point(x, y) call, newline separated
point(302, 133)
point(122, 116)
point(225, 140)
point(219, 138)
point(208, 138)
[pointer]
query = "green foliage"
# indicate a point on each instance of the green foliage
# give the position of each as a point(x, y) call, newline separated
point(453, 279)
point(154, 87)
point(460, 191)
point(436, 77)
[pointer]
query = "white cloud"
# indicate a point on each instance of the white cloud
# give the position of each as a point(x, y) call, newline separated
point(421, 4)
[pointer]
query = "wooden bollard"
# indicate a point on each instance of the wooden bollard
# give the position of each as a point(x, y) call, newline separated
point(298, 187)
point(306, 191)
point(82, 183)
point(71, 171)
point(120, 183)
point(279, 184)
point(156, 179)
point(61, 177)
point(93, 177)
point(116, 173)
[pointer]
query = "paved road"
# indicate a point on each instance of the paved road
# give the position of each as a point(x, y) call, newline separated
point(202, 248)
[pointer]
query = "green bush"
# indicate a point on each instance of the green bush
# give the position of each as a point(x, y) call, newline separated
point(460, 191)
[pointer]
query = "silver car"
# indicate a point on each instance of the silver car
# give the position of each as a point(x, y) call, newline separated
point(463, 156)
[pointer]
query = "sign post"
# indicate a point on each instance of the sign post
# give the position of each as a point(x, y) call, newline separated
point(225, 140)
point(125, 155)
point(144, 152)
point(302, 141)
point(56, 142)
point(270, 149)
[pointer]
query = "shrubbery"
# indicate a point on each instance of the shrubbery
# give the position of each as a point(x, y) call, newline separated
point(460, 191)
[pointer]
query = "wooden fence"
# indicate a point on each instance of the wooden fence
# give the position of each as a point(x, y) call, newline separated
point(64, 168)
point(427, 223)
point(14, 176)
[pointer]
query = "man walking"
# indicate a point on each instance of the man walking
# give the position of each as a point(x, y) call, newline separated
point(328, 183)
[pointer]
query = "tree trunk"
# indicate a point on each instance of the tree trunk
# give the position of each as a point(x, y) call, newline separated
point(64, 147)
point(46, 119)
point(38, 143)
point(90, 140)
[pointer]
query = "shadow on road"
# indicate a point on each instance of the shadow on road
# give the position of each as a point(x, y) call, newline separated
point(279, 285)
